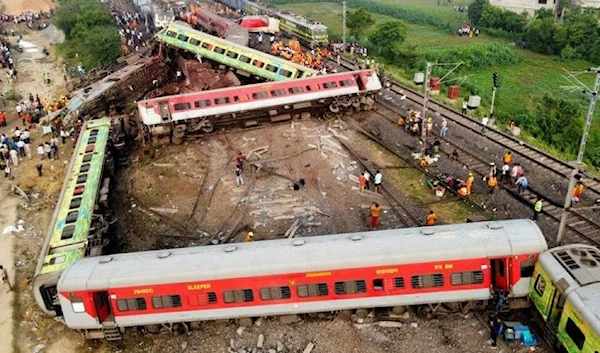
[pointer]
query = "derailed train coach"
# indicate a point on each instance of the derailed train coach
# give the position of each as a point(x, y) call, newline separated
point(451, 266)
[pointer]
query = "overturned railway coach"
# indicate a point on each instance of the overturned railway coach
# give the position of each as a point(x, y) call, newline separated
point(245, 60)
point(420, 267)
point(79, 225)
point(276, 101)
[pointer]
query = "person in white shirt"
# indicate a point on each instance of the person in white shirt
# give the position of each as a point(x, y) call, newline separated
point(377, 180)
point(484, 122)
point(40, 151)
point(367, 176)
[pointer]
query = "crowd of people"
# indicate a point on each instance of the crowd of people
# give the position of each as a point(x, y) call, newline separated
point(315, 58)
point(130, 30)
point(34, 20)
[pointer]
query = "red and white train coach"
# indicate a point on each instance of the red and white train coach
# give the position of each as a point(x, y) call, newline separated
point(276, 101)
point(390, 268)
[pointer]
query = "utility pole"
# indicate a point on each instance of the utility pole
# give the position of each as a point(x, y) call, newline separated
point(426, 99)
point(586, 130)
point(494, 87)
point(344, 24)
point(424, 114)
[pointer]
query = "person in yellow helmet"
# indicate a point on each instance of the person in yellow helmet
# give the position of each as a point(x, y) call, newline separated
point(469, 185)
point(249, 237)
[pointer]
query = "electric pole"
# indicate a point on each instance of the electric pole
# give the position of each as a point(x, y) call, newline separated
point(344, 25)
point(426, 99)
point(580, 153)
point(494, 87)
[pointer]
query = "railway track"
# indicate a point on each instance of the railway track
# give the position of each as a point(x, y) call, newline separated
point(508, 142)
point(577, 223)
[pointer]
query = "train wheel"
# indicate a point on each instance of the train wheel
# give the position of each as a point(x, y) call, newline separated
point(152, 328)
point(425, 312)
point(334, 108)
point(195, 325)
point(356, 102)
point(179, 131)
point(398, 310)
point(362, 313)
point(208, 127)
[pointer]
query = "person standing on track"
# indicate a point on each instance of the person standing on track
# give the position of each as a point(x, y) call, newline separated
point(444, 129)
point(464, 107)
point(522, 184)
point(504, 177)
point(431, 218)
point(507, 158)
point(377, 181)
point(375, 213)
point(492, 182)
point(367, 176)
point(537, 208)
point(469, 183)
point(362, 181)
point(239, 176)
point(496, 328)
point(484, 123)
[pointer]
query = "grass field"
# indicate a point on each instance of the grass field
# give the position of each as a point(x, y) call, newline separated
point(521, 84)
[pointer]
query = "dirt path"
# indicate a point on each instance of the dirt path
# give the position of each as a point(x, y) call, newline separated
point(8, 217)
point(16, 7)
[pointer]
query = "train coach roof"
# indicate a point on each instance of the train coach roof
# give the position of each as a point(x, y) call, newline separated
point(351, 250)
point(586, 301)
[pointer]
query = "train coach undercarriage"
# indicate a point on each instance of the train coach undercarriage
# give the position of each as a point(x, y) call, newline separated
point(425, 311)
point(324, 108)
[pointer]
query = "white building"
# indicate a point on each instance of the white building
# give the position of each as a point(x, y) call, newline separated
point(531, 6)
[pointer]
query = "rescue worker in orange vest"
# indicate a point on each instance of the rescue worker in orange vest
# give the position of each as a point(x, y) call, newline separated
point(469, 185)
point(577, 192)
point(492, 183)
point(462, 191)
point(249, 237)
point(431, 219)
point(401, 121)
point(507, 158)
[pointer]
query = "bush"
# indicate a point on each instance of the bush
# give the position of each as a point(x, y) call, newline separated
point(568, 53)
point(475, 56)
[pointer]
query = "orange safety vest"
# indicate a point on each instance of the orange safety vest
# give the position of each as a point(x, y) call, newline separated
point(492, 182)
point(431, 218)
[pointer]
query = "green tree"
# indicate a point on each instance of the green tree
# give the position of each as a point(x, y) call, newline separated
point(91, 34)
point(582, 31)
point(545, 36)
point(387, 38)
point(359, 22)
point(476, 9)
point(544, 13)
point(558, 122)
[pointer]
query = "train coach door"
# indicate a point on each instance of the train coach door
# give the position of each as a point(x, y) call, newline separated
point(164, 111)
point(102, 306)
point(500, 274)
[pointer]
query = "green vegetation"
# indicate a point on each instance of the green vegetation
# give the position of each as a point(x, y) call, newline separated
point(530, 92)
point(91, 34)
point(359, 22)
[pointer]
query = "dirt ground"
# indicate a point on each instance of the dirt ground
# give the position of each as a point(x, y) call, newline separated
point(17, 7)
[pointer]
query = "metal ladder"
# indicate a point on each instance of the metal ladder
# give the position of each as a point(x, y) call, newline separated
point(110, 330)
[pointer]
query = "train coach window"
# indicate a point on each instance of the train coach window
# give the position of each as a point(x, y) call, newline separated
point(222, 100)
point(244, 59)
point(195, 42)
point(260, 95)
point(202, 298)
point(182, 106)
point(330, 84)
point(232, 54)
point(466, 278)
point(258, 64)
point(84, 168)
point(91, 140)
point(351, 287)
point(399, 282)
point(68, 232)
point(72, 217)
point(312, 290)
point(575, 333)
point(166, 301)
point(202, 103)
point(207, 46)
point(346, 83)
point(378, 284)
point(294, 90)
point(87, 157)
point(427, 281)
point(171, 34)
point(183, 37)
point(540, 285)
point(241, 98)
point(278, 92)
point(238, 296)
point(219, 50)
point(271, 68)
point(274, 293)
point(75, 203)
point(527, 268)
point(285, 73)
point(132, 304)
point(94, 132)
